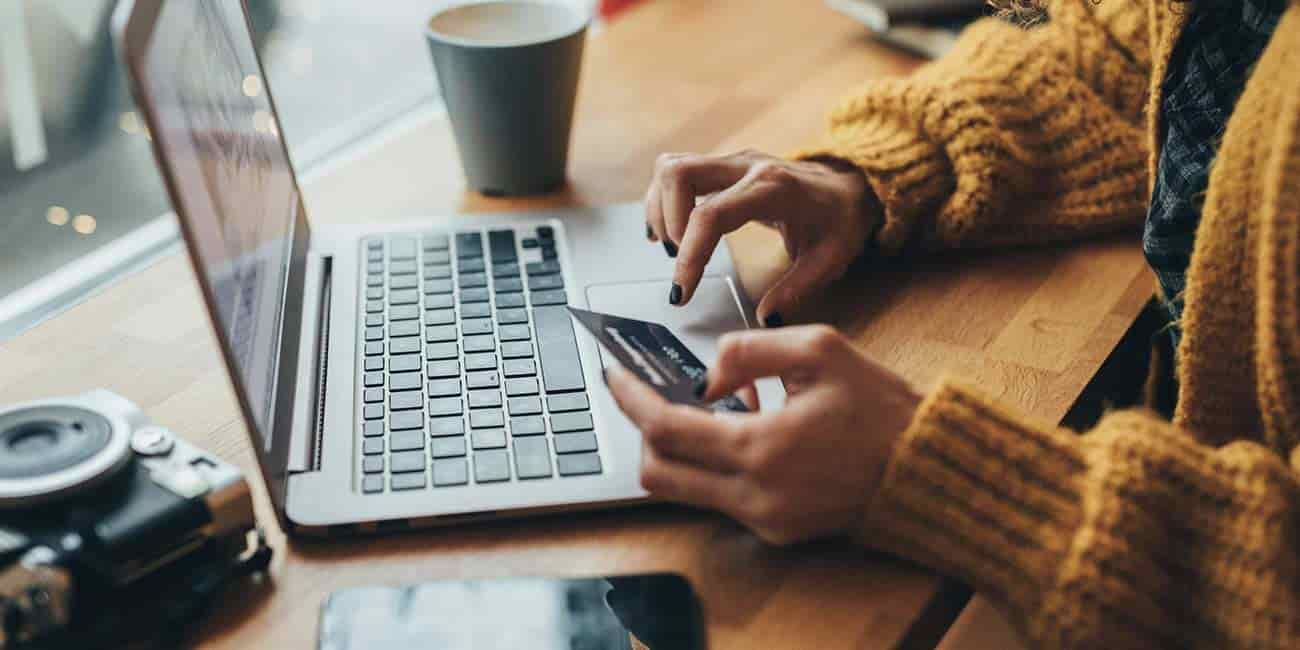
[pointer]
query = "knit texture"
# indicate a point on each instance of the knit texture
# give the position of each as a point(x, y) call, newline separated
point(1141, 532)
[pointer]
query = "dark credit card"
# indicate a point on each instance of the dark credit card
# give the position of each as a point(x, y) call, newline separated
point(653, 353)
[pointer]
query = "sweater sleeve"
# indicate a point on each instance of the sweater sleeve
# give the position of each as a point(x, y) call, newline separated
point(1016, 136)
point(1130, 536)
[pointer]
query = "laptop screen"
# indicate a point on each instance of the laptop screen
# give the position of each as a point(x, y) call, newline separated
point(219, 137)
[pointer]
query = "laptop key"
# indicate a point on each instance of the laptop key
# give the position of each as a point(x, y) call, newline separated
point(404, 328)
point(532, 425)
point(372, 464)
point(438, 351)
point(406, 440)
point(444, 388)
point(372, 484)
point(374, 333)
point(437, 272)
point(509, 285)
point(514, 333)
point(437, 257)
point(509, 269)
point(502, 245)
point(403, 312)
point(553, 297)
point(471, 280)
point(532, 458)
point(562, 422)
point(373, 428)
point(374, 306)
point(578, 464)
point(438, 301)
point(529, 242)
point(491, 466)
point(374, 363)
point(487, 419)
point(374, 347)
point(469, 244)
point(439, 317)
point(372, 395)
point(454, 426)
point(475, 310)
point(375, 256)
point(374, 320)
point(545, 267)
point(557, 348)
point(484, 398)
point(375, 267)
point(480, 361)
point(447, 447)
point(435, 241)
point(374, 280)
point(470, 266)
point(481, 380)
point(440, 333)
point(375, 243)
point(511, 316)
point(404, 381)
point(574, 443)
point(373, 379)
point(450, 471)
point(545, 282)
point(405, 400)
point(404, 362)
point(372, 446)
point(403, 282)
point(410, 481)
point(403, 297)
point(519, 368)
point(406, 420)
point(374, 293)
point(471, 326)
point(442, 369)
point(445, 406)
point(478, 294)
point(546, 233)
point(488, 438)
point(401, 248)
point(523, 386)
point(562, 403)
point(373, 412)
point(516, 349)
point(404, 345)
point(437, 286)
point(510, 300)
point(404, 267)
point(479, 343)
point(406, 461)
point(524, 405)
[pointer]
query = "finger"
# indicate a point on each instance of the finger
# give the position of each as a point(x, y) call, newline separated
point(744, 357)
point(813, 270)
point(683, 178)
point(676, 481)
point(680, 432)
point(654, 215)
point(723, 213)
point(749, 395)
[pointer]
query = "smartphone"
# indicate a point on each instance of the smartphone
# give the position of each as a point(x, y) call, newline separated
point(655, 611)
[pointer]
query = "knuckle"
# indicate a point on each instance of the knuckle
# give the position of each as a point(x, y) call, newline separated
point(771, 172)
point(824, 340)
point(655, 427)
point(732, 348)
point(665, 159)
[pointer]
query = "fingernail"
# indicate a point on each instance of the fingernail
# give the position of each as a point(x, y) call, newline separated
point(773, 320)
point(604, 375)
point(701, 386)
point(670, 248)
point(675, 294)
point(649, 232)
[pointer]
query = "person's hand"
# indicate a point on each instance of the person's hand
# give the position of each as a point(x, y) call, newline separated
point(825, 212)
point(806, 470)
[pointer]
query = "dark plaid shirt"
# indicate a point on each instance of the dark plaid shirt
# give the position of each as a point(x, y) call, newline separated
point(1207, 72)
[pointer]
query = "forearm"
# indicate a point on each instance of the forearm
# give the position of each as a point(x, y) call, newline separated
point(1132, 535)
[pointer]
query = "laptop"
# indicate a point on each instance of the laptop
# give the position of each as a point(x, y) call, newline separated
point(398, 376)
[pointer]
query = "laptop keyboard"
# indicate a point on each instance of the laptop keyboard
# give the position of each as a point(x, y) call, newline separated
point(470, 368)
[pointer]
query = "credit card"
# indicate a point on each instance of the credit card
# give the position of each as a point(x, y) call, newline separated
point(653, 353)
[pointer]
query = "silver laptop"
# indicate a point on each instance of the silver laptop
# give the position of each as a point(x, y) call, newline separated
point(395, 376)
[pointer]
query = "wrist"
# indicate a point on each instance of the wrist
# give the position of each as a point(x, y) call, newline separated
point(869, 210)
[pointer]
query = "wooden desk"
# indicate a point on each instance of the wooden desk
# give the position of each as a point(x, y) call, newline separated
point(1032, 327)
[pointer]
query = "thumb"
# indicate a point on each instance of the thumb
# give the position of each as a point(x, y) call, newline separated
point(754, 354)
point(811, 272)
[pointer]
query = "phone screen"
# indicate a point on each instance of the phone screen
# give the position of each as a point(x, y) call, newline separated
point(633, 612)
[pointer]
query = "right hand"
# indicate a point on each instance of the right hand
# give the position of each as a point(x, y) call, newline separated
point(824, 211)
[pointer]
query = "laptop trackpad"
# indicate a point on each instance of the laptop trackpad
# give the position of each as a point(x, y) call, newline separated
point(712, 312)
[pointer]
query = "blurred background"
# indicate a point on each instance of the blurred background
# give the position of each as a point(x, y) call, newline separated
point(81, 201)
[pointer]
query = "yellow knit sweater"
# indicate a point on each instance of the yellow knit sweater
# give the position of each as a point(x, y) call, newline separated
point(1141, 532)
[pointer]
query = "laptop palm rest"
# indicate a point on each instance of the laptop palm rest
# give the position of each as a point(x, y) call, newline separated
point(712, 312)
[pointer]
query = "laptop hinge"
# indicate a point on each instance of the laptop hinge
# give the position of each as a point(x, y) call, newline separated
point(305, 447)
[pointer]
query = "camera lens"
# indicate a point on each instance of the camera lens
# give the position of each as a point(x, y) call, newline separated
point(38, 441)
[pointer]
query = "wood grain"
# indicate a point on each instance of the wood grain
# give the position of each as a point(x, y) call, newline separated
point(1030, 326)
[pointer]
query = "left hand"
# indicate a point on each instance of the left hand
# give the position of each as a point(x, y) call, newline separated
point(806, 470)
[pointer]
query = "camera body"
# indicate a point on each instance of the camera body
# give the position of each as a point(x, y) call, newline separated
point(109, 522)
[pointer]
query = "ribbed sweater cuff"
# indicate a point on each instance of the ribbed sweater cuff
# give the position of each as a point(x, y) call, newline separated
point(979, 494)
point(910, 176)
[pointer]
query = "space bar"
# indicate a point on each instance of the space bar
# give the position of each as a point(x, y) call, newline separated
point(558, 349)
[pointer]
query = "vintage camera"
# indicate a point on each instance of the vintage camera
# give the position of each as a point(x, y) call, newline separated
point(113, 532)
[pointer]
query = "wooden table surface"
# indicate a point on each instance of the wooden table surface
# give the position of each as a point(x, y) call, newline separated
point(1030, 326)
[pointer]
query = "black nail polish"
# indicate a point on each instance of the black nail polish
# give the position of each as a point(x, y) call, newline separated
point(649, 232)
point(773, 320)
point(670, 248)
point(675, 294)
point(701, 386)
